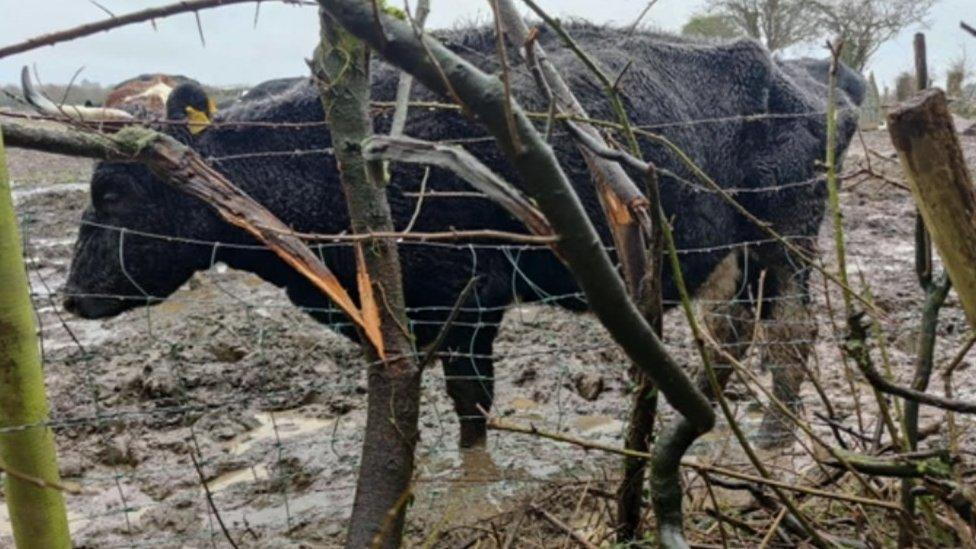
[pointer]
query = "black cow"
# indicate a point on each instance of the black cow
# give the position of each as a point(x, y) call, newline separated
point(707, 98)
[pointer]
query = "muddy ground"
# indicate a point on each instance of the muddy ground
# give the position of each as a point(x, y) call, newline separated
point(274, 403)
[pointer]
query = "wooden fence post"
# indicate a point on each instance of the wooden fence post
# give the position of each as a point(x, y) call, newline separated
point(37, 514)
point(925, 137)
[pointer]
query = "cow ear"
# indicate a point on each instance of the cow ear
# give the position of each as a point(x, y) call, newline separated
point(191, 103)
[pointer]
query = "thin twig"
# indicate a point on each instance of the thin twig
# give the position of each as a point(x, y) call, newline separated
point(577, 537)
point(210, 500)
point(41, 483)
point(506, 79)
point(711, 496)
point(203, 40)
point(967, 28)
point(497, 424)
point(640, 17)
point(884, 385)
point(405, 82)
point(435, 347)
point(101, 7)
point(420, 201)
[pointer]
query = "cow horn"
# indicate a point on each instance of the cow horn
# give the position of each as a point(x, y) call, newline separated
point(45, 106)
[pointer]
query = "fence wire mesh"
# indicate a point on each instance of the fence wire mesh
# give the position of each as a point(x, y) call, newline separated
point(228, 393)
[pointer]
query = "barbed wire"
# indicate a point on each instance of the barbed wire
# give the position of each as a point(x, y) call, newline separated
point(132, 411)
point(322, 241)
point(428, 105)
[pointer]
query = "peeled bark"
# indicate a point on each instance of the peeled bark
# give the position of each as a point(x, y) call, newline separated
point(37, 514)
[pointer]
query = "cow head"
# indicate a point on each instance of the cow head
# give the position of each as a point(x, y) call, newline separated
point(137, 243)
point(145, 98)
point(148, 95)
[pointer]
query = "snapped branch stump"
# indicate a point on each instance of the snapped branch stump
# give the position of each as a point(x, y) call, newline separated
point(37, 513)
point(927, 143)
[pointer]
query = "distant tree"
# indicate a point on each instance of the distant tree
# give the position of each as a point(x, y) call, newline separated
point(872, 113)
point(905, 86)
point(707, 25)
point(867, 24)
point(959, 71)
point(778, 24)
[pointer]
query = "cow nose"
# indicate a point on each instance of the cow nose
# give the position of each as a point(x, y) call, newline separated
point(70, 304)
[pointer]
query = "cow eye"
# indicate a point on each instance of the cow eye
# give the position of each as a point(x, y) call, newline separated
point(106, 200)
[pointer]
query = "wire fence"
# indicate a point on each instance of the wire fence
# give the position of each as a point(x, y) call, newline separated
point(279, 457)
point(226, 403)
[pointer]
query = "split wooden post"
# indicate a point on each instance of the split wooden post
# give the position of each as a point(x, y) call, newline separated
point(37, 514)
point(925, 137)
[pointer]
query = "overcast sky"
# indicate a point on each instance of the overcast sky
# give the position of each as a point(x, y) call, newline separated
point(238, 53)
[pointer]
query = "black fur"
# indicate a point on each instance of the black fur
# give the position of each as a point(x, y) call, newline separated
point(671, 81)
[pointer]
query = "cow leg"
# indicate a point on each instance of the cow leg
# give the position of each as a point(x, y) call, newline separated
point(469, 372)
point(726, 308)
point(790, 334)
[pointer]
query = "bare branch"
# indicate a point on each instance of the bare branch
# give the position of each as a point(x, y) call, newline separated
point(405, 83)
point(466, 166)
point(640, 17)
point(67, 487)
point(119, 21)
point(498, 424)
point(881, 383)
point(967, 28)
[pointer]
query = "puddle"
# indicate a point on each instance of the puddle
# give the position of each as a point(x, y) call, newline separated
point(248, 474)
point(523, 404)
point(289, 425)
point(603, 425)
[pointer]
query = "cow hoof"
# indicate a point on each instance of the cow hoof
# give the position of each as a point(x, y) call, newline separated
point(474, 434)
point(476, 464)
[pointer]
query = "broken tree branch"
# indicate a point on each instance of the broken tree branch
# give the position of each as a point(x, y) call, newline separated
point(182, 168)
point(636, 234)
point(626, 208)
point(466, 166)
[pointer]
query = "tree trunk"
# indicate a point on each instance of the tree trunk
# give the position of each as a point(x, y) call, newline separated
point(342, 65)
point(37, 515)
